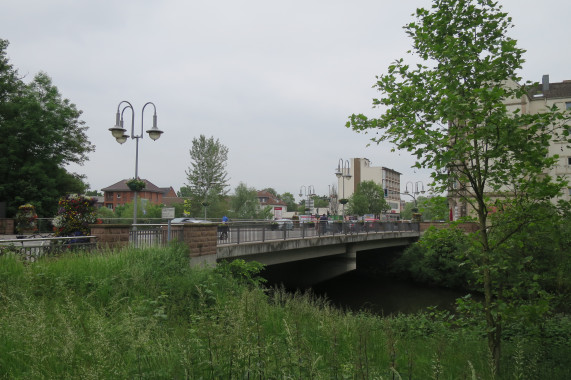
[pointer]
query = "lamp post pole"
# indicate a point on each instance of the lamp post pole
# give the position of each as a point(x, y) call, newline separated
point(309, 192)
point(414, 192)
point(343, 171)
point(119, 133)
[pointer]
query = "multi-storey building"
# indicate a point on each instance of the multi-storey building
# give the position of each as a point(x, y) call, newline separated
point(537, 100)
point(360, 170)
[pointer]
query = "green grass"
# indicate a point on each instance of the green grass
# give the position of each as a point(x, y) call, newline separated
point(148, 314)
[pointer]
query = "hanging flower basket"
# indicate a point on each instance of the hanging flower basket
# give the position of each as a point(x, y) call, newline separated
point(343, 201)
point(136, 184)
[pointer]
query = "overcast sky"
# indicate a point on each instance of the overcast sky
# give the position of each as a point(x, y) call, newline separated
point(274, 81)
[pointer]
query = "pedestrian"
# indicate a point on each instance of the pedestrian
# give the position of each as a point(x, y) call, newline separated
point(323, 223)
point(224, 228)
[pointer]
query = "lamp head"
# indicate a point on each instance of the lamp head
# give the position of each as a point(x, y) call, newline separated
point(154, 133)
point(117, 131)
point(122, 139)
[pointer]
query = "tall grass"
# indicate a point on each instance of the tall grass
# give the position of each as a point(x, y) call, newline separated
point(148, 314)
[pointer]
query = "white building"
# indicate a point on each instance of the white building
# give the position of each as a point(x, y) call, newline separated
point(537, 100)
point(356, 170)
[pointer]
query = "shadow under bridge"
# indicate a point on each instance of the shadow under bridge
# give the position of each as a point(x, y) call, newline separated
point(336, 254)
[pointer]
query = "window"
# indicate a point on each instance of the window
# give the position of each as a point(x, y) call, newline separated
point(118, 195)
point(568, 106)
point(568, 160)
point(569, 191)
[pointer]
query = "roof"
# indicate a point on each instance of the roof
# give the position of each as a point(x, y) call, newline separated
point(272, 200)
point(122, 186)
point(554, 90)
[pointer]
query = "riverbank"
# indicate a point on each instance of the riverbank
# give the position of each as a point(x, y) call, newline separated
point(146, 313)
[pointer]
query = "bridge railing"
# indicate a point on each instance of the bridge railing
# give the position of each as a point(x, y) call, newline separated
point(251, 232)
point(30, 249)
point(154, 234)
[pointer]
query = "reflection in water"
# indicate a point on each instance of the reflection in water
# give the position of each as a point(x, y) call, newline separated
point(382, 295)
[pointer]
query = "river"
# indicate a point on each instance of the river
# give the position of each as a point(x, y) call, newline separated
point(381, 294)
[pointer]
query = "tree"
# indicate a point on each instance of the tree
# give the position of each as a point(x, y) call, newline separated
point(272, 191)
point(245, 204)
point(207, 177)
point(41, 134)
point(433, 208)
point(450, 111)
point(368, 198)
point(289, 200)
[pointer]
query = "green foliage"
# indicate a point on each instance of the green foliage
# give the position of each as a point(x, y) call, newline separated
point(145, 313)
point(289, 200)
point(434, 208)
point(136, 184)
point(438, 259)
point(368, 198)
point(42, 133)
point(105, 213)
point(242, 271)
point(145, 209)
point(245, 205)
point(451, 112)
point(207, 177)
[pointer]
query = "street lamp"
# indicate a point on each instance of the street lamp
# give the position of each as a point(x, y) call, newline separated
point(309, 192)
point(414, 186)
point(343, 171)
point(120, 135)
point(413, 194)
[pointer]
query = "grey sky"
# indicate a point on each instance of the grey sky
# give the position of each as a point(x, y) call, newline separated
point(274, 81)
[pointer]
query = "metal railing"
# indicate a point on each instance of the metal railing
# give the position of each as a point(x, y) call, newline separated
point(30, 249)
point(251, 232)
point(154, 234)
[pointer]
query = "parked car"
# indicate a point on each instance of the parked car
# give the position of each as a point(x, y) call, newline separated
point(284, 223)
point(188, 220)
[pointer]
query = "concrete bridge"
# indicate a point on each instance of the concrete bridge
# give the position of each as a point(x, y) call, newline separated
point(337, 250)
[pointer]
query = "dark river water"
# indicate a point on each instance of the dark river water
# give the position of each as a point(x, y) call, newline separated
point(381, 294)
point(384, 295)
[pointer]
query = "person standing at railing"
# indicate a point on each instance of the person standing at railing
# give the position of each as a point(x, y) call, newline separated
point(224, 228)
point(323, 224)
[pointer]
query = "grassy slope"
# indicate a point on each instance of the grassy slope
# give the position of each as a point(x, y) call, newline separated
point(147, 314)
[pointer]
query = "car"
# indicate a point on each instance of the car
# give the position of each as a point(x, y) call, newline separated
point(284, 223)
point(188, 220)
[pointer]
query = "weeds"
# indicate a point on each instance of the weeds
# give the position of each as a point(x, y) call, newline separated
point(148, 314)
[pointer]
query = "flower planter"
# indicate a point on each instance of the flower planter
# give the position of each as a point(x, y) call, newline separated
point(136, 184)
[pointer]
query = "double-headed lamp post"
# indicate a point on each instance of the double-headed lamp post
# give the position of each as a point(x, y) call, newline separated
point(309, 192)
point(343, 171)
point(414, 190)
point(120, 135)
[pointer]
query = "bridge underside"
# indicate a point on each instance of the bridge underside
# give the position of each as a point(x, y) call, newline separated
point(338, 254)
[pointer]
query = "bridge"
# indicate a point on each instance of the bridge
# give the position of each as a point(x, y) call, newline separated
point(336, 245)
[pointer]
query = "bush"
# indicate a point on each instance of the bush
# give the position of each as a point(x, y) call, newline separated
point(436, 259)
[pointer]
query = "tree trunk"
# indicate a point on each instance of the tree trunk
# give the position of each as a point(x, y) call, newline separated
point(494, 328)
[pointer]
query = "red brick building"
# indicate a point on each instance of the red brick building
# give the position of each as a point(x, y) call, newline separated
point(119, 194)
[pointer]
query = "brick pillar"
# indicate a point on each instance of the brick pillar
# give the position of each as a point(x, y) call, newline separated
point(6, 226)
point(201, 240)
point(111, 235)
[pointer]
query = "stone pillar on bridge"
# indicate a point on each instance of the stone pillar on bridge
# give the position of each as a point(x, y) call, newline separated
point(201, 241)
